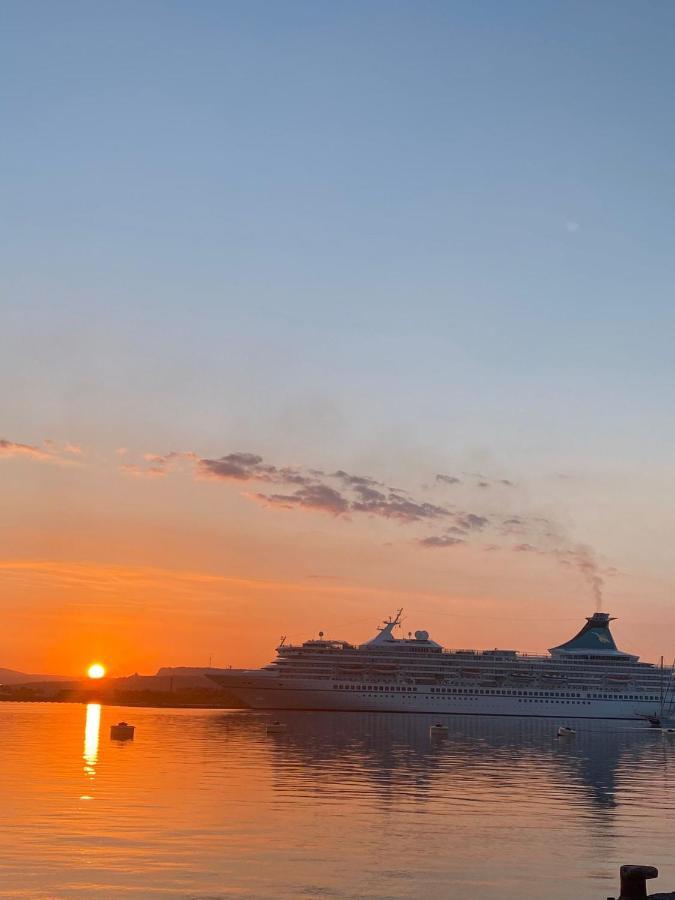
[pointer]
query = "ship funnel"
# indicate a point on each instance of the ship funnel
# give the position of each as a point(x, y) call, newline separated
point(595, 637)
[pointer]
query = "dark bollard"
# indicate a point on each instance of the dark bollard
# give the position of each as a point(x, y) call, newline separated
point(634, 881)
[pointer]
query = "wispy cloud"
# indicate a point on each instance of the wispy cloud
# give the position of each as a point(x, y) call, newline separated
point(470, 521)
point(143, 471)
point(485, 481)
point(11, 448)
point(447, 479)
point(155, 465)
point(440, 540)
point(49, 452)
point(338, 493)
point(346, 495)
point(236, 467)
point(393, 505)
point(320, 497)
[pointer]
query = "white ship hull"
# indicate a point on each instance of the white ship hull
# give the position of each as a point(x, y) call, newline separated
point(308, 696)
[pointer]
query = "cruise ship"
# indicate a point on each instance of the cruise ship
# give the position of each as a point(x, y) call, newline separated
point(585, 677)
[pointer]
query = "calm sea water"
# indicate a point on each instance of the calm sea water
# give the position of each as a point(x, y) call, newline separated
point(203, 804)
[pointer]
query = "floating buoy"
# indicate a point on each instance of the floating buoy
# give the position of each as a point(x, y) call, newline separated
point(438, 730)
point(275, 728)
point(122, 731)
point(565, 731)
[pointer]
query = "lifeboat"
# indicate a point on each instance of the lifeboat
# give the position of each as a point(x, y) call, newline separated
point(470, 673)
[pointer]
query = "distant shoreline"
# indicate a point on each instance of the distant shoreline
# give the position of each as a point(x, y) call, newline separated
point(108, 701)
point(192, 699)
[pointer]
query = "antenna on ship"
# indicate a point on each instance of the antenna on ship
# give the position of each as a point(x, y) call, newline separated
point(391, 622)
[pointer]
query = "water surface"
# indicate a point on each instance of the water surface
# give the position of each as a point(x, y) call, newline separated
point(203, 804)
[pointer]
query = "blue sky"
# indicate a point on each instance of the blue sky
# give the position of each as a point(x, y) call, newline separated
point(346, 179)
point(396, 235)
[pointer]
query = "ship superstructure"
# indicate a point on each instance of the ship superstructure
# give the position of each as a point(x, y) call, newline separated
point(585, 677)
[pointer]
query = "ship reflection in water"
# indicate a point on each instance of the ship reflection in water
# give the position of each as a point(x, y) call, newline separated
point(350, 805)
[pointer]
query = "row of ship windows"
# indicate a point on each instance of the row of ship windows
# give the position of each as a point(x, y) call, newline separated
point(529, 700)
point(528, 694)
point(502, 693)
point(533, 700)
point(373, 687)
point(542, 694)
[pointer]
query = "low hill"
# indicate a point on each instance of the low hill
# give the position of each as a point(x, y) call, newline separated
point(11, 676)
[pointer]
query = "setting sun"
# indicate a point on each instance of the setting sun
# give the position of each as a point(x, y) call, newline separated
point(96, 670)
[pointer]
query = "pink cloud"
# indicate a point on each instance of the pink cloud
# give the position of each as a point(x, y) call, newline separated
point(11, 448)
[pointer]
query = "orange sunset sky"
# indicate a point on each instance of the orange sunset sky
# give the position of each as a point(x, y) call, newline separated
point(141, 560)
point(313, 311)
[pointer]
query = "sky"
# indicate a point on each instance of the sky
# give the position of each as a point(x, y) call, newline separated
point(312, 311)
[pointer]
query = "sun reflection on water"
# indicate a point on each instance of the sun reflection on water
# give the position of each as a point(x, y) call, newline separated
point(91, 732)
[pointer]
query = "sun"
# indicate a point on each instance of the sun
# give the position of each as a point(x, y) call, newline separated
point(96, 670)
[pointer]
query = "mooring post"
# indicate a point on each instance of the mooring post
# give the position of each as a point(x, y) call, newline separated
point(634, 881)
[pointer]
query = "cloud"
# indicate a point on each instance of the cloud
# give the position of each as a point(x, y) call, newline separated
point(448, 479)
point(315, 497)
point(11, 448)
point(470, 521)
point(357, 493)
point(346, 495)
point(440, 540)
point(235, 467)
point(355, 480)
point(141, 472)
point(50, 452)
point(393, 505)
point(465, 523)
point(158, 465)
point(484, 481)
